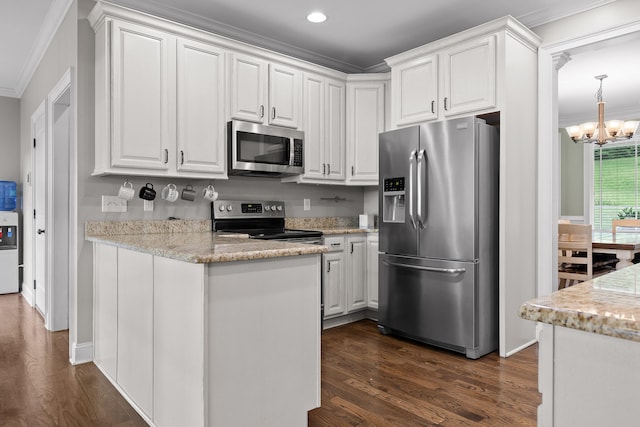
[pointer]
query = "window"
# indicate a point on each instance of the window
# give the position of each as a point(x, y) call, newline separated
point(615, 183)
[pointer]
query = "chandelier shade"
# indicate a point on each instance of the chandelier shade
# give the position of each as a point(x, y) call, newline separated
point(601, 132)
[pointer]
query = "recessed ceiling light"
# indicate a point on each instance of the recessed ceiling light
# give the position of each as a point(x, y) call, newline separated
point(316, 17)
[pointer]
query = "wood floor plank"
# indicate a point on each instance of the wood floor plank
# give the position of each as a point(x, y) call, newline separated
point(437, 386)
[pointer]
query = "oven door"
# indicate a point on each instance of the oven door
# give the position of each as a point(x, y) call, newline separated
point(257, 148)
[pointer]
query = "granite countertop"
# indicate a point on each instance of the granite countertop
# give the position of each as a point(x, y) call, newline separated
point(187, 243)
point(328, 225)
point(607, 305)
point(342, 230)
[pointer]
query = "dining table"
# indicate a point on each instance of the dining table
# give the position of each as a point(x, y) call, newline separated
point(624, 245)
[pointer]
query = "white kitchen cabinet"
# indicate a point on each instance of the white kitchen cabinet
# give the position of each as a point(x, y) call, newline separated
point(135, 327)
point(140, 74)
point(458, 80)
point(333, 277)
point(255, 81)
point(159, 103)
point(469, 76)
point(105, 308)
point(414, 90)
point(365, 120)
point(323, 123)
point(356, 288)
point(372, 271)
point(200, 108)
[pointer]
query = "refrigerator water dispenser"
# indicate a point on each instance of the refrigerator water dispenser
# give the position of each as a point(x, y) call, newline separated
point(393, 200)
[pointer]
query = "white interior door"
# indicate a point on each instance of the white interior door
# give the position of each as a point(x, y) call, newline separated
point(39, 221)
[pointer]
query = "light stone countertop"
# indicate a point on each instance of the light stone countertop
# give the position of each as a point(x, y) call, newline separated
point(190, 241)
point(344, 230)
point(607, 305)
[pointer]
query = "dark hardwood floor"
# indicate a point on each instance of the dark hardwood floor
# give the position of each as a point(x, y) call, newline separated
point(367, 380)
point(38, 385)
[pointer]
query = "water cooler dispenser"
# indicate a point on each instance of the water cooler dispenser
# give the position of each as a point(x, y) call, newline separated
point(8, 239)
point(393, 200)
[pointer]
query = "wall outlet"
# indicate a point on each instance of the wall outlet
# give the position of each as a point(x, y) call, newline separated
point(307, 204)
point(148, 205)
point(113, 204)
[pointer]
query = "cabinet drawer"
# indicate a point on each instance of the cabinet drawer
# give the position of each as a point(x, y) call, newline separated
point(335, 244)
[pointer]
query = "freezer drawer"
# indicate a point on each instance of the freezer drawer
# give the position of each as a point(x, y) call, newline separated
point(432, 301)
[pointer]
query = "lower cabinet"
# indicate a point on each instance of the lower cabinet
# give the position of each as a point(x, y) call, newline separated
point(345, 275)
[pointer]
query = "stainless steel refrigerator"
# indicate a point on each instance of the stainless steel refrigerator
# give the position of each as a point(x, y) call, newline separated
point(438, 266)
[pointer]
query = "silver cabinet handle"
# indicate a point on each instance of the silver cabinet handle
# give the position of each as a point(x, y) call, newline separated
point(166, 156)
point(335, 244)
point(40, 231)
point(328, 267)
point(412, 163)
point(261, 111)
point(419, 267)
point(181, 157)
point(324, 169)
point(273, 112)
point(352, 173)
point(433, 107)
point(421, 181)
point(351, 247)
point(445, 103)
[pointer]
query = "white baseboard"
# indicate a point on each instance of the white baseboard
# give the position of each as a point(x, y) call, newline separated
point(522, 347)
point(81, 353)
point(27, 293)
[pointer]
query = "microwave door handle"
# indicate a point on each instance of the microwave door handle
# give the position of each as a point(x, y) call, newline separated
point(292, 147)
point(412, 162)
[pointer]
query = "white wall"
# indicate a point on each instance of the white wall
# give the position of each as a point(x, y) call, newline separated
point(10, 139)
point(571, 176)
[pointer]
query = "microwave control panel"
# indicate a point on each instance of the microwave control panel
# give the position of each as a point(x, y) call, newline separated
point(297, 152)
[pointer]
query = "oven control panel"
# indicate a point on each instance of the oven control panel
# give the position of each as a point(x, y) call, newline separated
point(233, 209)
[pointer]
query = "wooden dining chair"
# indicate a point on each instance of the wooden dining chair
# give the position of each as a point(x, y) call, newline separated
point(626, 223)
point(575, 255)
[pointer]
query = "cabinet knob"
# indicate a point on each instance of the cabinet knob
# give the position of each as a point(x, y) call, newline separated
point(445, 103)
point(181, 157)
point(261, 111)
point(324, 169)
point(352, 169)
point(273, 113)
point(166, 156)
point(433, 107)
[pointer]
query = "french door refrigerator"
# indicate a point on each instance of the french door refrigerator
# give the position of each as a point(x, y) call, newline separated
point(438, 262)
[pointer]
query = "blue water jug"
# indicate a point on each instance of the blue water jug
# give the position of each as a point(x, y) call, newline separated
point(7, 195)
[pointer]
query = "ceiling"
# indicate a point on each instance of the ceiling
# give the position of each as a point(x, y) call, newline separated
point(357, 36)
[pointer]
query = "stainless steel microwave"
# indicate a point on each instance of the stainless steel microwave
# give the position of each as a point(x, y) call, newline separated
point(264, 150)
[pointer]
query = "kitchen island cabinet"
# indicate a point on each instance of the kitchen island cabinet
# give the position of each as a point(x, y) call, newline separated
point(201, 329)
point(589, 351)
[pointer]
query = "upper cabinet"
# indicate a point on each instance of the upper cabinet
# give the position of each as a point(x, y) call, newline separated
point(453, 77)
point(323, 117)
point(264, 92)
point(159, 103)
point(365, 121)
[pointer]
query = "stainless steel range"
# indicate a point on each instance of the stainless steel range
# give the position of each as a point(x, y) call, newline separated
point(260, 220)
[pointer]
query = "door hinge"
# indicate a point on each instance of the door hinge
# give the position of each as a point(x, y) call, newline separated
point(34, 143)
point(34, 284)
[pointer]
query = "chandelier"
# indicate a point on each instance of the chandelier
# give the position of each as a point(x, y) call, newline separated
point(602, 132)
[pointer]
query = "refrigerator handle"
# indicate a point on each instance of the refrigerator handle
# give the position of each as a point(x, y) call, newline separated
point(412, 163)
point(421, 186)
point(419, 267)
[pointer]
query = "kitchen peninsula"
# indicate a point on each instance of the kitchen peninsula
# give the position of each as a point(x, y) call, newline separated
point(589, 351)
point(206, 329)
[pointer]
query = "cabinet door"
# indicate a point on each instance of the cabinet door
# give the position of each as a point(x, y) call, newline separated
point(105, 307)
point(140, 92)
point(365, 120)
point(469, 76)
point(135, 327)
point(414, 91)
point(372, 272)
point(335, 129)
point(248, 88)
point(356, 278)
point(284, 96)
point(313, 125)
point(200, 107)
point(333, 283)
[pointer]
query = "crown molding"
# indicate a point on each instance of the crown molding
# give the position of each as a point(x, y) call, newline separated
point(52, 21)
point(8, 92)
point(559, 11)
point(234, 33)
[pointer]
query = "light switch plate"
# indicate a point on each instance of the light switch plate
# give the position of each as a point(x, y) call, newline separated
point(148, 205)
point(113, 204)
point(307, 204)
